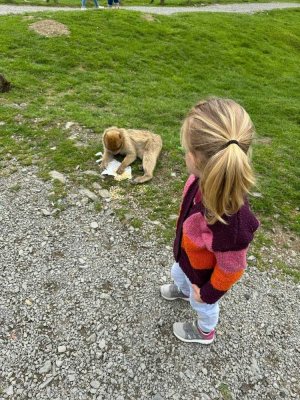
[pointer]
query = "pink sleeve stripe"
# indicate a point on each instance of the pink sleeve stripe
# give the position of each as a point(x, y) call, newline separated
point(232, 261)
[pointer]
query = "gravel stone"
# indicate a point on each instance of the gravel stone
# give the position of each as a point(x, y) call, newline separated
point(61, 349)
point(89, 194)
point(104, 193)
point(10, 390)
point(95, 384)
point(91, 173)
point(46, 212)
point(58, 176)
point(46, 367)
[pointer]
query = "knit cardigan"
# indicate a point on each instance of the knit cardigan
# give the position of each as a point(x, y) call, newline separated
point(212, 256)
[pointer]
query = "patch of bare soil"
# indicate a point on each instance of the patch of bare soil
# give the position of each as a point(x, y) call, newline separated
point(148, 17)
point(49, 28)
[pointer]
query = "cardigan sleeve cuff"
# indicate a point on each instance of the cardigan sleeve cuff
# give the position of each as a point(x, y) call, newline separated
point(209, 294)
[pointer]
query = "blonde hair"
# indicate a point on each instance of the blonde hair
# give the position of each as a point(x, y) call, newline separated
point(225, 172)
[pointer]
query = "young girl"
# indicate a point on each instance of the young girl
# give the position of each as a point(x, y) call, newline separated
point(215, 224)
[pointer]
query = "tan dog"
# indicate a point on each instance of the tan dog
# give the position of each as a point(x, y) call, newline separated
point(132, 143)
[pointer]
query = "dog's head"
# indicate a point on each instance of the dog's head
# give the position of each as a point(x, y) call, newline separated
point(113, 139)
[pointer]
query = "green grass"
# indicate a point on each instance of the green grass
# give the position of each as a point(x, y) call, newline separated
point(90, 3)
point(120, 69)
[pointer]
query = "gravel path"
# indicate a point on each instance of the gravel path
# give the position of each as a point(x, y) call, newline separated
point(81, 316)
point(248, 8)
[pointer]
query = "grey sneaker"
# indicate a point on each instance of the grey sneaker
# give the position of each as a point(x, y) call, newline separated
point(172, 292)
point(190, 333)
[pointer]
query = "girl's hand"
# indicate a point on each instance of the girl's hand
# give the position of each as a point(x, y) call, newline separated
point(197, 293)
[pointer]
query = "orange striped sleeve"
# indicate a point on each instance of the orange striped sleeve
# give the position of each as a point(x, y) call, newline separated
point(222, 280)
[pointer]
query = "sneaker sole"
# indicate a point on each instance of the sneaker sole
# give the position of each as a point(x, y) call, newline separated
point(194, 340)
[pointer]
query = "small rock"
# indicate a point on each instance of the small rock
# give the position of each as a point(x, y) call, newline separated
point(251, 258)
point(96, 186)
point(92, 338)
point(91, 173)
point(58, 176)
point(157, 222)
point(173, 217)
point(128, 216)
point(157, 397)
point(10, 390)
point(102, 344)
point(69, 124)
point(94, 225)
point(254, 367)
point(88, 194)
point(46, 212)
point(46, 367)
point(269, 331)
point(28, 302)
point(47, 381)
point(2, 123)
point(59, 363)
point(72, 377)
point(61, 349)
point(95, 384)
point(104, 193)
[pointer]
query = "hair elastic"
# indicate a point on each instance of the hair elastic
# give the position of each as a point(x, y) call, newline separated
point(231, 142)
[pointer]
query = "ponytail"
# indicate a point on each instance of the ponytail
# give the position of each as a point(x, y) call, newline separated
point(226, 179)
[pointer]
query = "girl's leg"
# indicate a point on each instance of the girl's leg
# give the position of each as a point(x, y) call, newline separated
point(180, 279)
point(110, 3)
point(83, 3)
point(96, 3)
point(208, 314)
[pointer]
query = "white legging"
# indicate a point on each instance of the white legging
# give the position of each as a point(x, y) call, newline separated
point(208, 314)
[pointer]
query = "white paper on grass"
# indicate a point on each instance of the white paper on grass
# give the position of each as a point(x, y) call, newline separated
point(112, 170)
